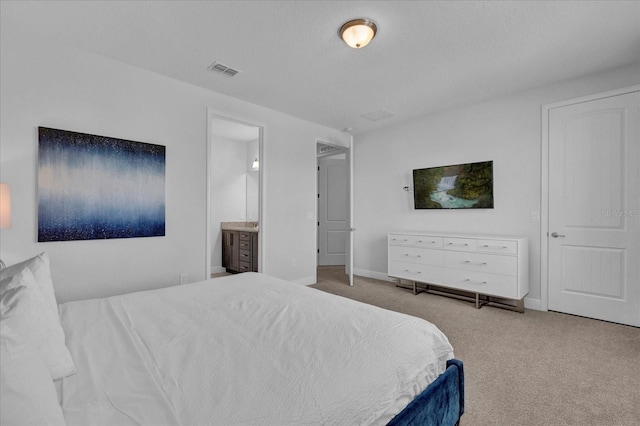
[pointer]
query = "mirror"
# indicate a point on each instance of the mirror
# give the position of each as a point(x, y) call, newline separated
point(235, 170)
point(234, 179)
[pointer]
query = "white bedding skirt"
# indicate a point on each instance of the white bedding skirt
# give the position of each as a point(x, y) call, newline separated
point(247, 349)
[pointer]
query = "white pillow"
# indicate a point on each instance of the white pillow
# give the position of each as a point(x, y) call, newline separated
point(39, 265)
point(27, 393)
point(25, 325)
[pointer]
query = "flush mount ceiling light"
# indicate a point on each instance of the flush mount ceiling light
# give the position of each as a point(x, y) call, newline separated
point(357, 33)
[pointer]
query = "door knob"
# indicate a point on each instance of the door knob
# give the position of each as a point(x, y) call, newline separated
point(556, 235)
point(353, 229)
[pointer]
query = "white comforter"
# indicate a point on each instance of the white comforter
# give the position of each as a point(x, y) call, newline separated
point(247, 349)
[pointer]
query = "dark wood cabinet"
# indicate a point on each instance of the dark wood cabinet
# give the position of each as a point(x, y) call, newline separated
point(230, 254)
point(240, 251)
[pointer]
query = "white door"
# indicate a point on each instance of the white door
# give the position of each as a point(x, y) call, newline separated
point(333, 210)
point(594, 208)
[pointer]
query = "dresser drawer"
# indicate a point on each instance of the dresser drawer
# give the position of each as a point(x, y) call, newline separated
point(415, 271)
point(497, 246)
point(480, 282)
point(245, 255)
point(494, 264)
point(396, 239)
point(462, 244)
point(427, 241)
point(402, 240)
point(416, 255)
point(244, 266)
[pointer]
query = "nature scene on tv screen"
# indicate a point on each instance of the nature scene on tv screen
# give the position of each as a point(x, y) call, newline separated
point(460, 186)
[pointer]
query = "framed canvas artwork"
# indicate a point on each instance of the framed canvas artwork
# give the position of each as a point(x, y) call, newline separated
point(98, 187)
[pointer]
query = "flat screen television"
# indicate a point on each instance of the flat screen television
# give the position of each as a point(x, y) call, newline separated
point(459, 186)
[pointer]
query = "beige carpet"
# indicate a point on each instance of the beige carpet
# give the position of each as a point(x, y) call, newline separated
point(536, 368)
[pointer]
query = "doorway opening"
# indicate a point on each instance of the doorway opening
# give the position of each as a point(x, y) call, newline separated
point(333, 182)
point(234, 189)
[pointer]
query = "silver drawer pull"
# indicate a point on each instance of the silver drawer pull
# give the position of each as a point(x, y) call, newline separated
point(412, 272)
point(475, 282)
point(465, 244)
point(487, 246)
point(415, 255)
point(477, 263)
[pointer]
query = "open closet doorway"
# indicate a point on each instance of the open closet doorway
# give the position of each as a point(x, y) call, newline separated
point(333, 212)
point(234, 192)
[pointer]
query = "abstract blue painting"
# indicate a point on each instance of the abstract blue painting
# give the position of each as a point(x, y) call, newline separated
point(97, 187)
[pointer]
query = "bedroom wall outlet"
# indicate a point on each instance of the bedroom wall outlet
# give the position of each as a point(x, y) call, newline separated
point(184, 278)
point(535, 217)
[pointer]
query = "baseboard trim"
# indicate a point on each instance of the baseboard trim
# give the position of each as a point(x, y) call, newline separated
point(534, 304)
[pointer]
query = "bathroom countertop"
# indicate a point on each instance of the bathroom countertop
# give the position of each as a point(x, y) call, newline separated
point(239, 226)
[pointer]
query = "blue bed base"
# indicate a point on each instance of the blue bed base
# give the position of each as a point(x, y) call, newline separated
point(440, 404)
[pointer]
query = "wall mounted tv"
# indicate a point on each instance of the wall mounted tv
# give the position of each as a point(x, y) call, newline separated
point(459, 186)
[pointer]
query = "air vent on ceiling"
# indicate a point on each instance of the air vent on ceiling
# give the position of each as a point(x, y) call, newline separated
point(378, 115)
point(223, 69)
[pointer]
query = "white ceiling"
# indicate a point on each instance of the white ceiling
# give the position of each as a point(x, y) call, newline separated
point(428, 56)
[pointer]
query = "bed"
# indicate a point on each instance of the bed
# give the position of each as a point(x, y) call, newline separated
point(247, 349)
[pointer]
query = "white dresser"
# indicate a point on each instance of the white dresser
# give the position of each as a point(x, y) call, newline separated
point(483, 265)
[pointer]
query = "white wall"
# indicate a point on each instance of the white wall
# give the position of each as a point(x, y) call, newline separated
point(253, 182)
point(229, 178)
point(44, 84)
point(505, 130)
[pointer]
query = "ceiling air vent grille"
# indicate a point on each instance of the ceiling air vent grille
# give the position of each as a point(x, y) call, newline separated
point(378, 115)
point(223, 69)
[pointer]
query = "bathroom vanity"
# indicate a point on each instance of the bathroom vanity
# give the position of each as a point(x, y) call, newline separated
point(240, 246)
